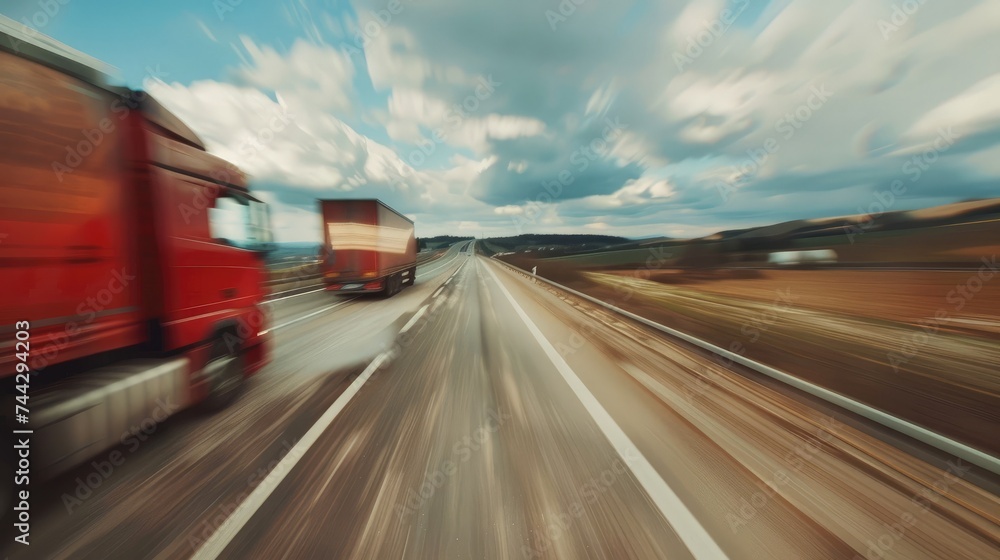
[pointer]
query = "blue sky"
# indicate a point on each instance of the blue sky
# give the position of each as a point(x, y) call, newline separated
point(631, 117)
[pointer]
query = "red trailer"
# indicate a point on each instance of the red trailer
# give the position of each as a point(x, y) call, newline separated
point(131, 259)
point(367, 247)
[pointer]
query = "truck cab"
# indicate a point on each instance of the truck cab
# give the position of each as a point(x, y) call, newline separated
point(132, 260)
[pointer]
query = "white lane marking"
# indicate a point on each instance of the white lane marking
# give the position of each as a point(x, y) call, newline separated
point(451, 260)
point(453, 274)
point(695, 537)
point(437, 292)
point(413, 320)
point(338, 304)
point(224, 535)
point(291, 296)
point(919, 433)
point(427, 273)
point(314, 313)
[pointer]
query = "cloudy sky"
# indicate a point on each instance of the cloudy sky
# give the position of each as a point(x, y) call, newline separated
point(628, 117)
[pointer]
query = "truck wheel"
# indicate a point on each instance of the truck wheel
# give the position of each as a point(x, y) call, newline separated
point(224, 372)
point(391, 285)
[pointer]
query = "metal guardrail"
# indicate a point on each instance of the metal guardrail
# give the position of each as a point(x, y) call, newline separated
point(919, 433)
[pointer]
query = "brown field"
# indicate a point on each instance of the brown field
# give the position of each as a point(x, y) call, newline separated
point(902, 296)
point(906, 342)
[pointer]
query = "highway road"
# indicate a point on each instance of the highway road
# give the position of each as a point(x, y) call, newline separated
point(480, 414)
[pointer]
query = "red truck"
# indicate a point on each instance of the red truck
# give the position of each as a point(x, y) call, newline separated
point(132, 260)
point(367, 247)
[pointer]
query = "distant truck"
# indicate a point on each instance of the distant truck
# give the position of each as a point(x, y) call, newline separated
point(802, 258)
point(367, 247)
point(132, 261)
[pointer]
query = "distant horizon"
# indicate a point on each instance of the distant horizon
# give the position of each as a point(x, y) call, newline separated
point(863, 216)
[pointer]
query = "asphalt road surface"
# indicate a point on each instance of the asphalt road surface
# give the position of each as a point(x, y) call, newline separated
point(482, 415)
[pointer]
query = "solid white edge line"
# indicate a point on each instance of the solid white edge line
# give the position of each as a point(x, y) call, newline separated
point(433, 270)
point(220, 539)
point(413, 320)
point(338, 304)
point(313, 314)
point(291, 296)
point(686, 526)
point(443, 265)
point(919, 433)
point(226, 532)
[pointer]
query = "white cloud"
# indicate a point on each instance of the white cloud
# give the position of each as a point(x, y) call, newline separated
point(393, 62)
point(693, 19)
point(292, 145)
point(509, 210)
point(973, 110)
point(517, 166)
point(685, 131)
point(318, 75)
point(204, 29)
point(411, 110)
point(602, 99)
point(634, 193)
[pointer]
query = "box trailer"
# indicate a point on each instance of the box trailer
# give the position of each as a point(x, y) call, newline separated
point(367, 247)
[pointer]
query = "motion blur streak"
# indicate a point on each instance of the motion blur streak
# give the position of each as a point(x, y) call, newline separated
point(259, 296)
point(469, 443)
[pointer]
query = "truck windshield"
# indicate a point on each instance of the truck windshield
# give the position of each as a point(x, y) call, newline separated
point(241, 222)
